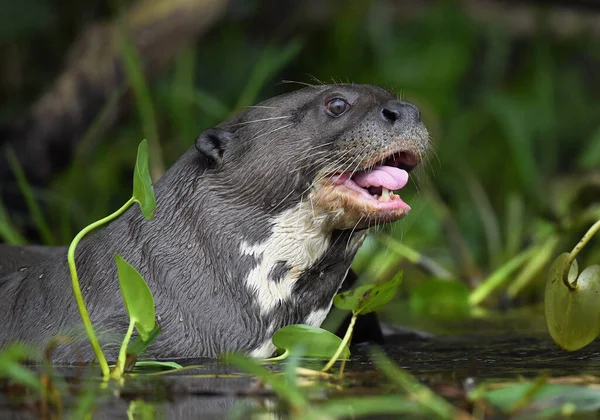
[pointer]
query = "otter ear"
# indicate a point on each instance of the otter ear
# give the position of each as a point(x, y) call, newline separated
point(211, 144)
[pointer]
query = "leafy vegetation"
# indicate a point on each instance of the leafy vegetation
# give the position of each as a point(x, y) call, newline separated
point(572, 310)
point(511, 181)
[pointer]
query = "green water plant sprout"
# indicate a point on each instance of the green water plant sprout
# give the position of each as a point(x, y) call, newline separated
point(143, 193)
point(571, 299)
point(362, 300)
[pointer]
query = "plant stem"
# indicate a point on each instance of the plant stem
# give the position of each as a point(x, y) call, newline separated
point(580, 245)
point(343, 344)
point(282, 356)
point(499, 276)
point(119, 368)
point(343, 365)
point(85, 316)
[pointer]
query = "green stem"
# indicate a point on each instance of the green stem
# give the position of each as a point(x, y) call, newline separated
point(282, 356)
point(120, 366)
point(343, 344)
point(85, 316)
point(415, 257)
point(498, 277)
point(586, 238)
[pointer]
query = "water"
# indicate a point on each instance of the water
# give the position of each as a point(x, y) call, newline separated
point(212, 390)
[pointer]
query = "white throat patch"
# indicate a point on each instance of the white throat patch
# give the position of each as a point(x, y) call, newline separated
point(297, 239)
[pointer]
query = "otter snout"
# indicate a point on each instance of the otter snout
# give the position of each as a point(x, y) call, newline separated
point(400, 112)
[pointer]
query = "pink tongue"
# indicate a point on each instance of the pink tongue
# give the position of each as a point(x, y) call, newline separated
point(382, 176)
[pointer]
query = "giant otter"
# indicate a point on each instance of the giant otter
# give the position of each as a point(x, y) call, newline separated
point(256, 228)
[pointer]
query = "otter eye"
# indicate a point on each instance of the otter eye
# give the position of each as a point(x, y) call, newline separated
point(336, 107)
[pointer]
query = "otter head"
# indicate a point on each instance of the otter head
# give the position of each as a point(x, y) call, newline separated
point(343, 150)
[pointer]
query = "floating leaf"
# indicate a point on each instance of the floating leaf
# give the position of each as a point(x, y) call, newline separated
point(137, 296)
point(548, 400)
point(368, 298)
point(572, 315)
point(315, 342)
point(143, 191)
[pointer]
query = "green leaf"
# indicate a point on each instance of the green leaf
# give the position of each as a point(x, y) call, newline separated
point(143, 191)
point(155, 365)
point(8, 232)
point(27, 191)
point(137, 297)
point(368, 298)
point(547, 400)
point(11, 367)
point(137, 347)
point(572, 315)
point(314, 342)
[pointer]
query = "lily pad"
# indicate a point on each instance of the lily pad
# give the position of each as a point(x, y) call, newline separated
point(137, 296)
point(315, 342)
point(368, 298)
point(573, 315)
point(143, 191)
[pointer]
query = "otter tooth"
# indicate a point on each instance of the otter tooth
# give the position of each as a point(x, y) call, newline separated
point(385, 194)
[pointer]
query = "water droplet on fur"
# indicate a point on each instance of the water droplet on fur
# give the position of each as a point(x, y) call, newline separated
point(40, 276)
point(158, 318)
point(189, 246)
point(23, 269)
point(180, 318)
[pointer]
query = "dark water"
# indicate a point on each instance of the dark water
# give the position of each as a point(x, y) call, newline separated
point(213, 390)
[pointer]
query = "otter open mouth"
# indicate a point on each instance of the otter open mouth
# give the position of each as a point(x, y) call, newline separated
point(370, 194)
point(379, 182)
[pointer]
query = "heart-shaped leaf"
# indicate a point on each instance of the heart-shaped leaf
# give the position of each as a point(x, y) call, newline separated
point(573, 315)
point(143, 191)
point(137, 296)
point(368, 298)
point(315, 342)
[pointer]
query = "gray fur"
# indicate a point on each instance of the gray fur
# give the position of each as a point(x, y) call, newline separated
point(190, 253)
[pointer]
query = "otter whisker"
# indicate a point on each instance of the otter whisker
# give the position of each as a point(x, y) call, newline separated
point(353, 229)
point(272, 131)
point(263, 119)
point(259, 107)
point(295, 82)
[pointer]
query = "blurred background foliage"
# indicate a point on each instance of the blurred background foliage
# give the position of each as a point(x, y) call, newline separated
point(510, 94)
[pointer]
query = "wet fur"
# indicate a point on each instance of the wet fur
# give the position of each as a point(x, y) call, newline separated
point(192, 253)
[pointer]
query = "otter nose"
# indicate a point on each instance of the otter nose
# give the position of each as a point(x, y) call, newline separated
point(400, 111)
